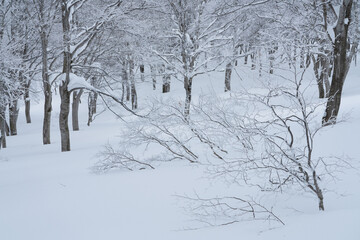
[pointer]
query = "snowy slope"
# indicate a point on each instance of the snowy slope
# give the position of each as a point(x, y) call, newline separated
point(45, 194)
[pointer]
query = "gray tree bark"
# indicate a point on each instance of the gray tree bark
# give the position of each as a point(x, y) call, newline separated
point(45, 74)
point(133, 86)
point(341, 63)
point(2, 127)
point(228, 72)
point(142, 72)
point(75, 109)
point(125, 80)
point(13, 116)
point(64, 93)
point(188, 90)
point(166, 79)
point(92, 101)
point(153, 75)
point(27, 102)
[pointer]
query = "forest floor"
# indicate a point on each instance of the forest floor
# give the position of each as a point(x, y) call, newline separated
point(49, 195)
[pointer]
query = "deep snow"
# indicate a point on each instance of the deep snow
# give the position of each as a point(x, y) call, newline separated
point(46, 194)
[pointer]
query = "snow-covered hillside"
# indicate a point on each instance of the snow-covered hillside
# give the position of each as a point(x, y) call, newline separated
point(46, 194)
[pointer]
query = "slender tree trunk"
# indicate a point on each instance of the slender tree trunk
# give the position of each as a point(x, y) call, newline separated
point(125, 79)
point(142, 72)
point(166, 79)
point(321, 201)
point(302, 57)
point(153, 75)
point(7, 129)
point(47, 118)
point(228, 72)
point(13, 116)
point(253, 65)
point(188, 89)
point(271, 59)
point(63, 118)
point(27, 105)
point(325, 62)
point(75, 109)
point(2, 127)
point(133, 87)
point(341, 63)
point(318, 74)
point(45, 75)
point(260, 64)
point(64, 93)
point(92, 101)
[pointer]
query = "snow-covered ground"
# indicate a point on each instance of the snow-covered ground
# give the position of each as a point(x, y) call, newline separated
point(46, 194)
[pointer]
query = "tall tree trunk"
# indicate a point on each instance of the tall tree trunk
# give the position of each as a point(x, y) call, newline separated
point(228, 72)
point(133, 86)
point(341, 63)
point(45, 75)
point(2, 127)
point(75, 109)
point(13, 116)
point(64, 93)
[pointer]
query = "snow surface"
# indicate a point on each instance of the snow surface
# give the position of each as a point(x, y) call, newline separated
point(46, 194)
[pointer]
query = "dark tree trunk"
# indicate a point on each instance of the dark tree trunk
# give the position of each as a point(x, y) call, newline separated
point(153, 75)
point(188, 89)
point(253, 65)
point(166, 83)
point(142, 72)
point(7, 129)
point(13, 116)
point(63, 118)
point(27, 105)
point(133, 86)
point(166, 79)
point(47, 117)
point(321, 201)
point(75, 109)
point(45, 75)
point(341, 63)
point(64, 93)
point(228, 72)
point(2, 127)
